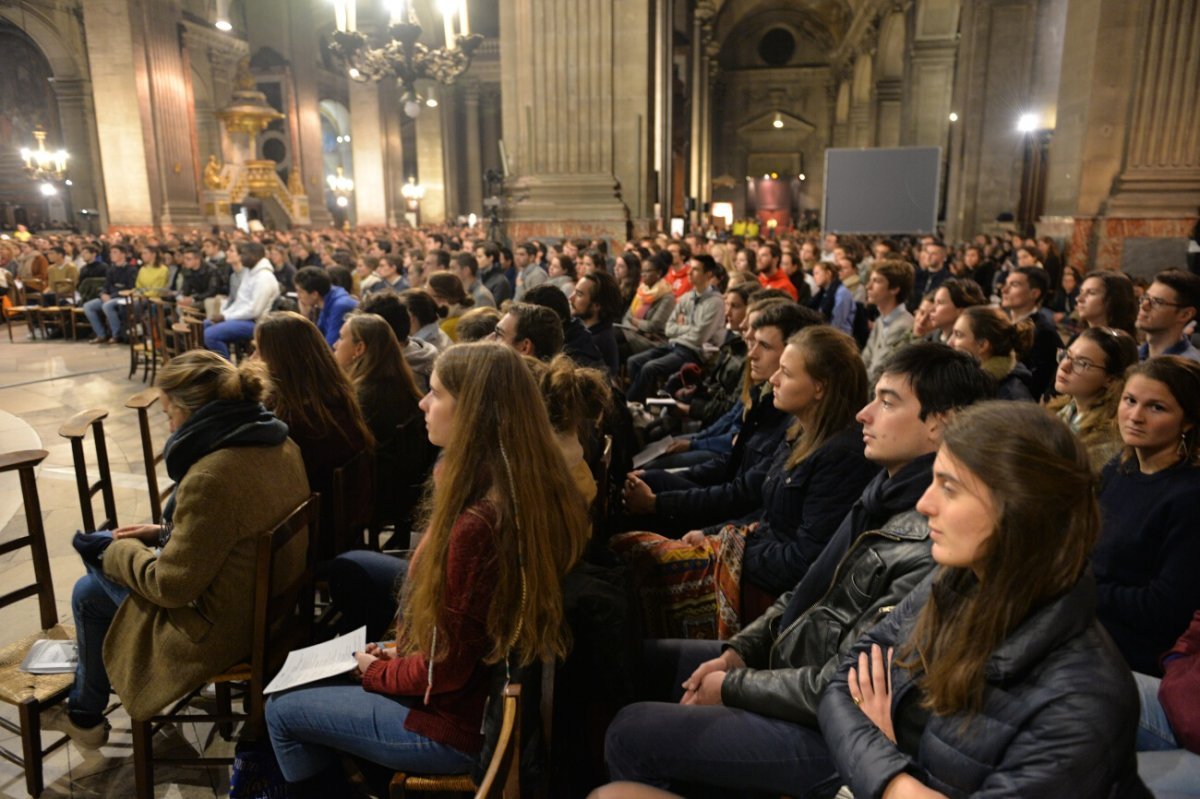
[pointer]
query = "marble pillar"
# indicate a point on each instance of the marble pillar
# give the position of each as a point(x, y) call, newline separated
point(123, 159)
point(76, 110)
point(431, 172)
point(888, 96)
point(473, 163)
point(368, 153)
point(560, 116)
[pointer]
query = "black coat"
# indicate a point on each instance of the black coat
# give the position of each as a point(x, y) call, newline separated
point(1059, 715)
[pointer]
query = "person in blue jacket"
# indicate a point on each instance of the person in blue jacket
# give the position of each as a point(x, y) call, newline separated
point(316, 293)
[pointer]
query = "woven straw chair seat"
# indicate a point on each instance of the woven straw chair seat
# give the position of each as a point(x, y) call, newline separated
point(15, 685)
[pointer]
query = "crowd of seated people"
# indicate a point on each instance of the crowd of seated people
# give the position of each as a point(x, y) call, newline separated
point(922, 526)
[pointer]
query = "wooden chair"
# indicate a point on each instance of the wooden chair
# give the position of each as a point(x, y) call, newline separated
point(599, 507)
point(353, 482)
point(31, 693)
point(190, 326)
point(20, 310)
point(502, 780)
point(75, 430)
point(169, 342)
point(143, 348)
point(142, 402)
point(282, 619)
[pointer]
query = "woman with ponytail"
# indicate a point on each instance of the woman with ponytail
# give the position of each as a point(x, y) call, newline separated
point(998, 342)
point(163, 607)
point(484, 588)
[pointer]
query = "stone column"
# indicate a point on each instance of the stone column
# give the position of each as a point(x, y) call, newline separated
point(696, 83)
point(560, 116)
point(451, 166)
point(431, 171)
point(304, 19)
point(367, 150)
point(118, 115)
point(470, 137)
point(490, 134)
point(170, 115)
point(888, 95)
point(76, 112)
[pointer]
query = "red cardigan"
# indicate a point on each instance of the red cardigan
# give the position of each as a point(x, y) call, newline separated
point(1180, 689)
point(454, 713)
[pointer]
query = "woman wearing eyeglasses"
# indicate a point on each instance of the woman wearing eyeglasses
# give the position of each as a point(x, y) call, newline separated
point(1089, 382)
point(1146, 559)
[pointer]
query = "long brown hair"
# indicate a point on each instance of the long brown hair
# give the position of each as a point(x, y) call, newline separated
point(1047, 521)
point(830, 358)
point(306, 384)
point(500, 425)
point(382, 362)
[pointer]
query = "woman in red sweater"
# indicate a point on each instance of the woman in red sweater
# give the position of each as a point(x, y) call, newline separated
point(505, 523)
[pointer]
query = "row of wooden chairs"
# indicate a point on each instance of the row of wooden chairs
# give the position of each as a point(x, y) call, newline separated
point(273, 638)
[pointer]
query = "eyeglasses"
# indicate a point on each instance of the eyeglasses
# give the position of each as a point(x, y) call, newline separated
point(1157, 302)
point(1076, 364)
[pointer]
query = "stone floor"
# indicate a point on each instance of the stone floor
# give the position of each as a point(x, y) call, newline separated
point(42, 384)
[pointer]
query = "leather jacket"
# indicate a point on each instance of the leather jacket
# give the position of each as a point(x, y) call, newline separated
point(788, 669)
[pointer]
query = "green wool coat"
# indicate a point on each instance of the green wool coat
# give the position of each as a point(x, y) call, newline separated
point(190, 613)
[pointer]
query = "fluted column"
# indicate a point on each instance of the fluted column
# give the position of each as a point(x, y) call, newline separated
point(470, 137)
point(367, 148)
point(76, 112)
point(431, 172)
point(1162, 150)
point(170, 115)
point(559, 113)
point(118, 116)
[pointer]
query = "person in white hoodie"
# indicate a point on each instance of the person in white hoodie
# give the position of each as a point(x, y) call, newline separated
point(256, 292)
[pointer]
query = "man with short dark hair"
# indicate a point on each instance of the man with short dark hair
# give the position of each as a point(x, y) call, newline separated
point(436, 261)
point(423, 314)
point(491, 272)
point(577, 341)
point(933, 271)
point(530, 273)
point(680, 272)
point(1024, 291)
point(468, 273)
point(1169, 305)
point(531, 330)
point(698, 319)
point(285, 273)
point(746, 718)
point(316, 292)
point(767, 263)
point(887, 289)
point(121, 276)
point(256, 292)
point(200, 280)
point(596, 302)
point(419, 354)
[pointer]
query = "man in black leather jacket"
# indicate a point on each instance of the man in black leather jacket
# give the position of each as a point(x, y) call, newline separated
point(747, 717)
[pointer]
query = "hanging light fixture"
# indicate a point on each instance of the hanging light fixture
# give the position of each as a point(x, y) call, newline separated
point(42, 164)
point(402, 56)
point(341, 186)
point(778, 123)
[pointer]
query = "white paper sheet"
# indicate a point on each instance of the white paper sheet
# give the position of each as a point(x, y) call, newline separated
point(652, 451)
point(319, 662)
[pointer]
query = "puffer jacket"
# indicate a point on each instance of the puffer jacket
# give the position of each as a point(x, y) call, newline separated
point(723, 385)
point(1059, 715)
point(788, 669)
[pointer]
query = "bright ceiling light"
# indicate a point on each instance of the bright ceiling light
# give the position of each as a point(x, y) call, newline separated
point(1027, 123)
point(953, 117)
point(223, 25)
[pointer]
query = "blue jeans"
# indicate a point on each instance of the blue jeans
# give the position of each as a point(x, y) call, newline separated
point(310, 725)
point(647, 368)
point(98, 310)
point(363, 587)
point(94, 603)
point(736, 751)
point(1167, 770)
point(218, 336)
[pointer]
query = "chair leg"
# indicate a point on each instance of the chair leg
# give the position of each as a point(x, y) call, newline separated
point(224, 708)
point(143, 759)
point(29, 712)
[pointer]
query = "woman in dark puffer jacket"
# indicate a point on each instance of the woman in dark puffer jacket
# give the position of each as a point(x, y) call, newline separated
point(1003, 683)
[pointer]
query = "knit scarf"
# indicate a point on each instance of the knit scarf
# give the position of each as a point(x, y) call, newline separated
point(219, 424)
point(646, 296)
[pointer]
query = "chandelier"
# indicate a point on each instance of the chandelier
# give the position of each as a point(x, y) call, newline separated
point(341, 186)
point(42, 164)
point(403, 56)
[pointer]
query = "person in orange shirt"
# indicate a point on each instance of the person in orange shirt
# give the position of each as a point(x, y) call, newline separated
point(770, 274)
point(679, 275)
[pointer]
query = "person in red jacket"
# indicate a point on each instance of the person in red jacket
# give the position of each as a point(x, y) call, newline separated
point(483, 588)
point(1168, 738)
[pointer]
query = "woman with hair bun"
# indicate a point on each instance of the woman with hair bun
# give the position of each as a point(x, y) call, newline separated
point(998, 342)
point(484, 589)
point(164, 607)
point(452, 300)
point(1148, 552)
point(1003, 682)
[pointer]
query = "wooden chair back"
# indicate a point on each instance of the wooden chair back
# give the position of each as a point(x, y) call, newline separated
point(502, 780)
point(20, 309)
point(142, 402)
point(603, 467)
point(75, 430)
point(143, 344)
point(352, 494)
point(24, 462)
point(167, 341)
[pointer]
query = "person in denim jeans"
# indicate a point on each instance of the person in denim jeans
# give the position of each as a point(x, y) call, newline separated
point(108, 306)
